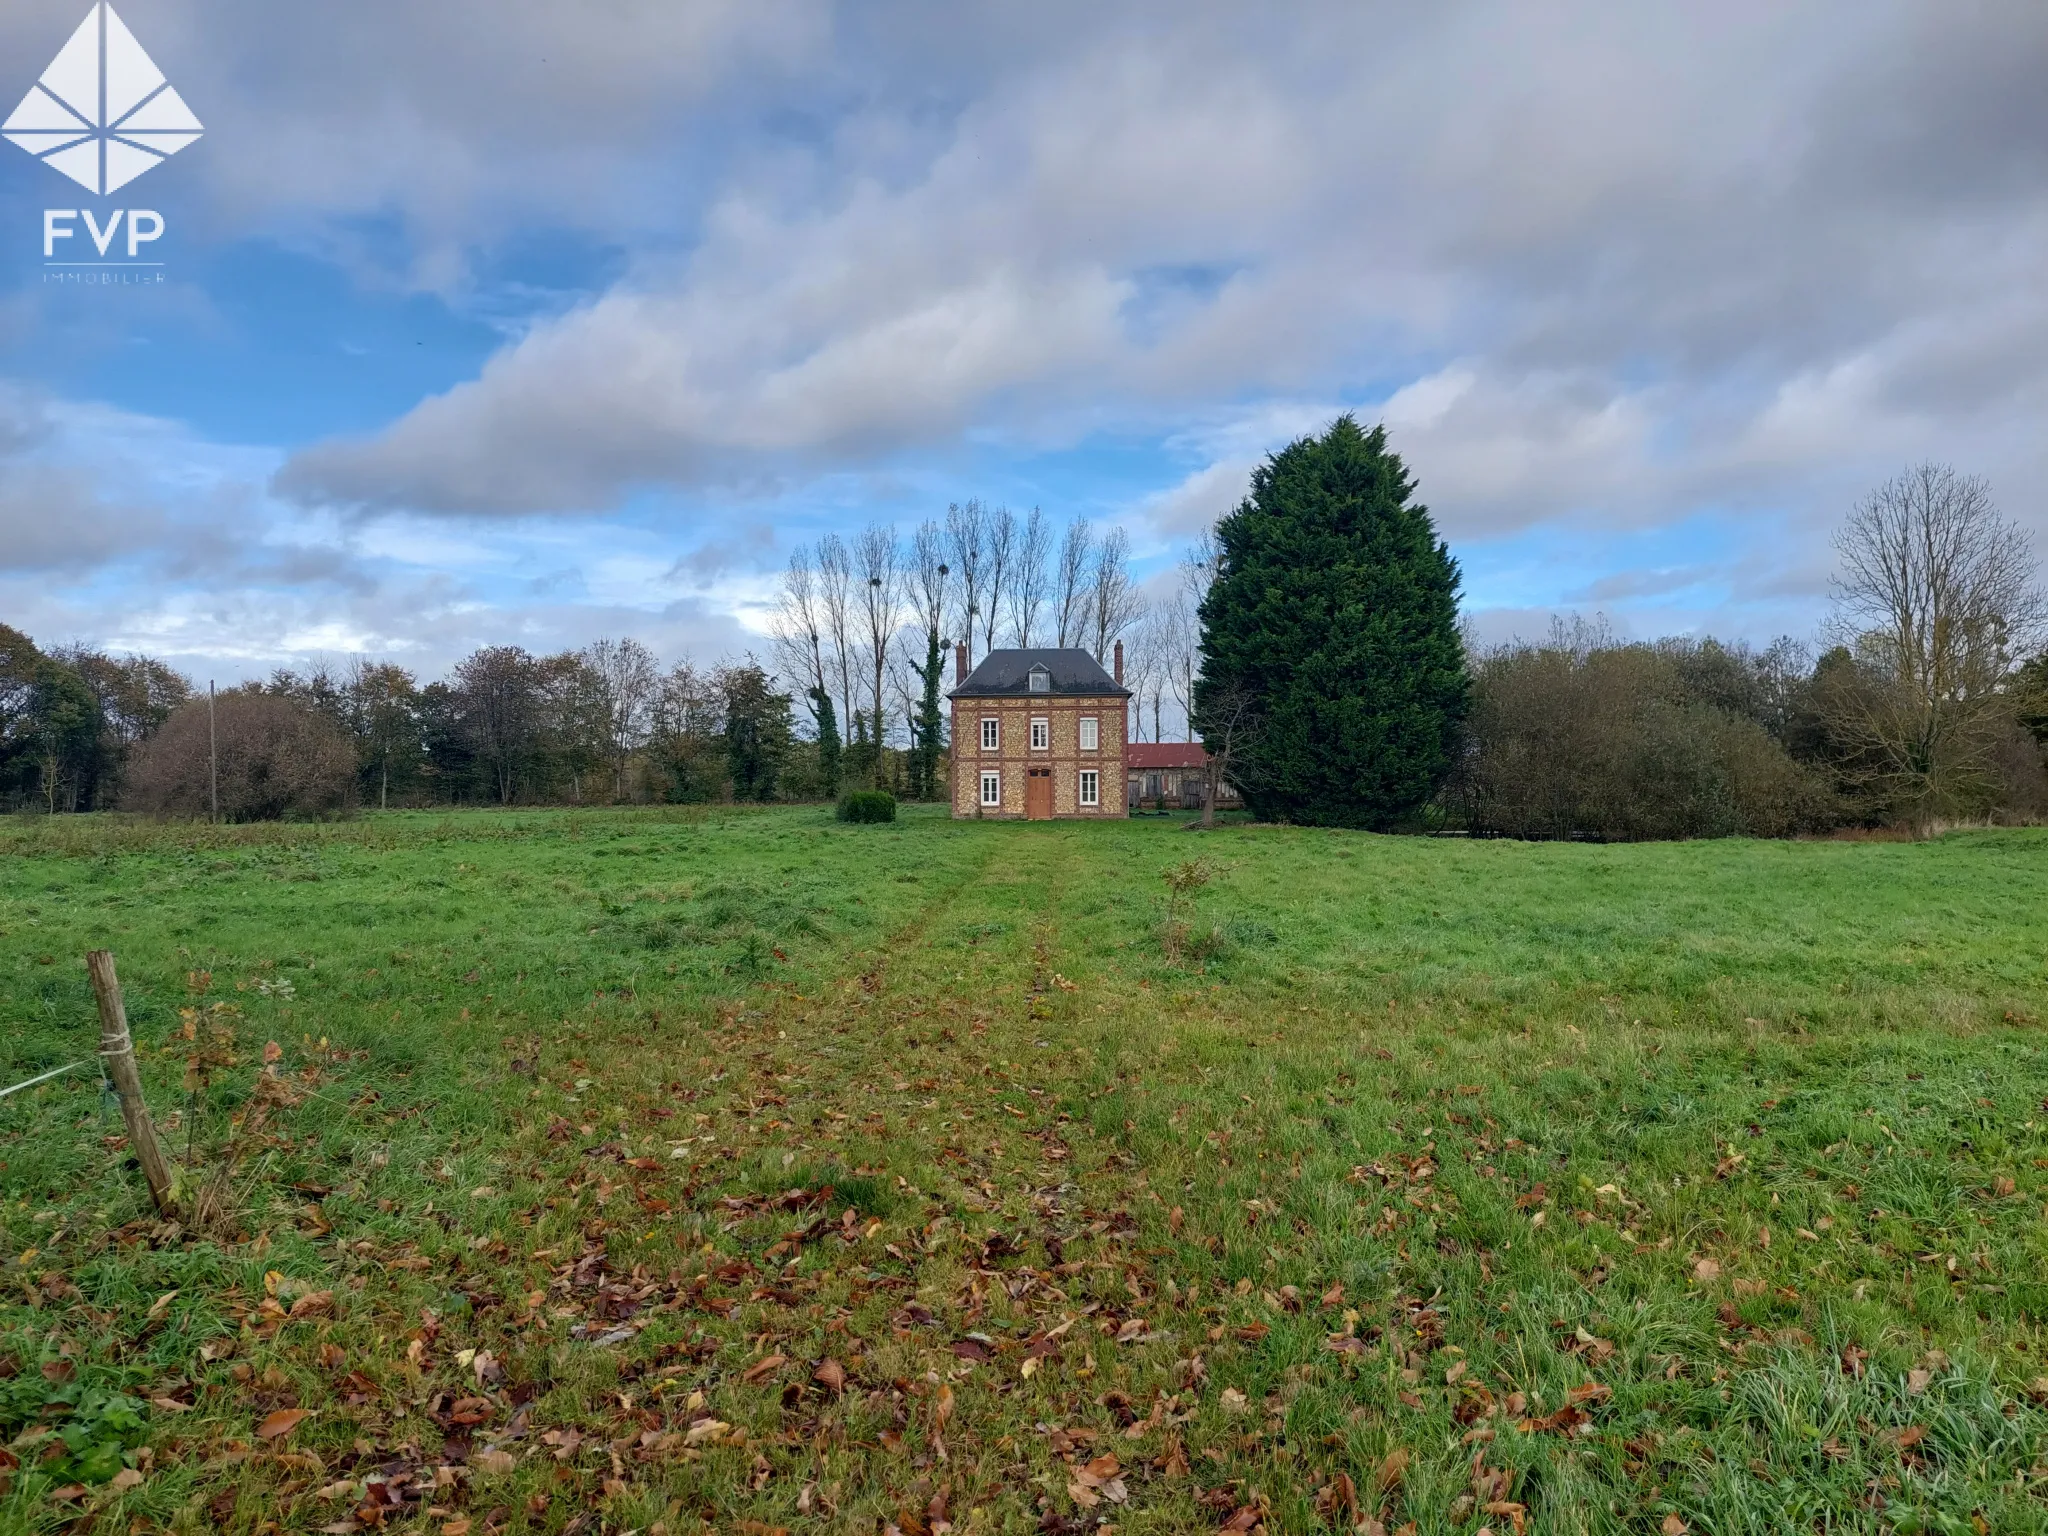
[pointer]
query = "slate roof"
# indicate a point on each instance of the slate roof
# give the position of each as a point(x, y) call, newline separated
point(1002, 674)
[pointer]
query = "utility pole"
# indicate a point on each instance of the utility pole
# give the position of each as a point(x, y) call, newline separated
point(212, 756)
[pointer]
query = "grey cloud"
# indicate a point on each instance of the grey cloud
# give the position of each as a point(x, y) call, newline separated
point(1618, 246)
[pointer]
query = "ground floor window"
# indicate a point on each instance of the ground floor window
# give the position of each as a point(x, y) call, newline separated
point(991, 789)
point(1091, 787)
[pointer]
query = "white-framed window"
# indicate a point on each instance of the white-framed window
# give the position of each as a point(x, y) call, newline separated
point(991, 734)
point(1091, 733)
point(1091, 787)
point(991, 789)
point(1041, 735)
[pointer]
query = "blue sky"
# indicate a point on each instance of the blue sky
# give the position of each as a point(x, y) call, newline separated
point(518, 322)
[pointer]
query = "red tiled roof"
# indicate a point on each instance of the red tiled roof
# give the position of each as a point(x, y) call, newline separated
point(1164, 754)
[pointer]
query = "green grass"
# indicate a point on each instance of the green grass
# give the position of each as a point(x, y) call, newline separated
point(1603, 1185)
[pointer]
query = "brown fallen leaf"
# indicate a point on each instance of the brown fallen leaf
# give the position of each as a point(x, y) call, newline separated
point(1673, 1526)
point(1706, 1271)
point(312, 1304)
point(1392, 1470)
point(1917, 1381)
point(705, 1429)
point(830, 1375)
point(497, 1463)
point(768, 1365)
point(1911, 1436)
point(125, 1479)
point(281, 1423)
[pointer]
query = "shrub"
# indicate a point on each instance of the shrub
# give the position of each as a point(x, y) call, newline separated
point(278, 760)
point(867, 805)
point(1585, 737)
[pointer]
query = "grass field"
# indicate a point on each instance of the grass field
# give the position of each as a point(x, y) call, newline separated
point(741, 1170)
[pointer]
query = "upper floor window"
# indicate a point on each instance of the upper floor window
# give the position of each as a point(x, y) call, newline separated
point(1091, 735)
point(1041, 680)
point(991, 735)
point(1041, 735)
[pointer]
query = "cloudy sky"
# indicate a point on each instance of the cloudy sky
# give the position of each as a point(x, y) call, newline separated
point(511, 320)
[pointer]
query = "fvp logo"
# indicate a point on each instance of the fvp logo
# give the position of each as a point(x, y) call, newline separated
point(102, 112)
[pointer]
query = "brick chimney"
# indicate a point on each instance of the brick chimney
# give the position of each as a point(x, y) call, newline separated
point(960, 663)
point(1119, 674)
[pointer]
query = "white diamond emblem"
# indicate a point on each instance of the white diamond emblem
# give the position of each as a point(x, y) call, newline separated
point(102, 112)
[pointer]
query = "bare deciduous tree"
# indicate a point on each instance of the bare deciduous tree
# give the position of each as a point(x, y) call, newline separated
point(1227, 721)
point(1113, 600)
point(1070, 588)
point(800, 629)
point(835, 599)
point(966, 528)
point(1936, 601)
point(1148, 668)
point(625, 676)
point(1028, 577)
point(878, 562)
point(999, 556)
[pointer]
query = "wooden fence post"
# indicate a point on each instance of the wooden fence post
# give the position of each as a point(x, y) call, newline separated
point(117, 1050)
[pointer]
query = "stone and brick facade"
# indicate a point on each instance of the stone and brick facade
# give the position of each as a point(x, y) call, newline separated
point(1038, 734)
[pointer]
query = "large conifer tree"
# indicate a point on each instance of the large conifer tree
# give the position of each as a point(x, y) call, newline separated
point(1330, 647)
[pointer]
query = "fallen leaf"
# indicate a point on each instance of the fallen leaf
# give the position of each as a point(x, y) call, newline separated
point(1917, 1381)
point(1392, 1470)
point(281, 1423)
point(1233, 1400)
point(495, 1462)
point(1673, 1526)
point(830, 1375)
point(125, 1479)
point(1911, 1436)
point(705, 1429)
point(1706, 1271)
point(312, 1304)
point(766, 1366)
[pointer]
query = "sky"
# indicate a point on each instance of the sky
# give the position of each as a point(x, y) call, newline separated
point(509, 321)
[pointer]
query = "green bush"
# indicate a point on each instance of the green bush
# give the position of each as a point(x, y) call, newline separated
point(867, 805)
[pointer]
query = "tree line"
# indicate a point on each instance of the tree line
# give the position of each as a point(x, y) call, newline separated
point(1335, 688)
point(1312, 642)
point(863, 634)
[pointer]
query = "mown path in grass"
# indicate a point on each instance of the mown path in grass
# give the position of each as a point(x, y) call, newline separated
point(747, 1168)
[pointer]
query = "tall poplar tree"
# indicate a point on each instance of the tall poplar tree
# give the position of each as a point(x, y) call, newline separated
point(1330, 645)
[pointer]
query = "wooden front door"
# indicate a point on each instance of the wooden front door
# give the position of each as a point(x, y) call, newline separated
point(1038, 795)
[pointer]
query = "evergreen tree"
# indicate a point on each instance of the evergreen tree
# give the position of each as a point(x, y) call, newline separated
point(1330, 637)
point(757, 731)
point(828, 741)
point(929, 726)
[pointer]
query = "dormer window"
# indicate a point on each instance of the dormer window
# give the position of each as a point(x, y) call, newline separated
point(1041, 680)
